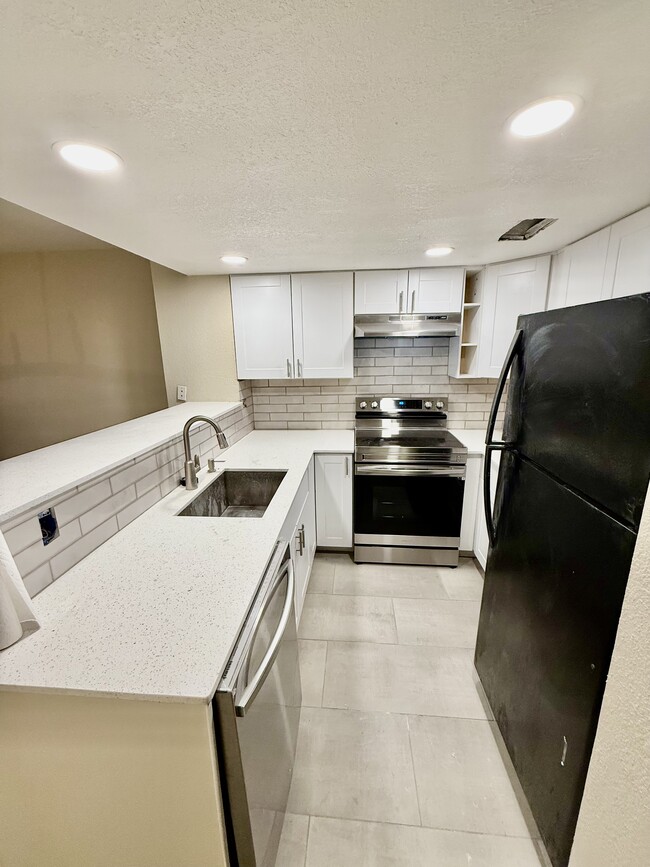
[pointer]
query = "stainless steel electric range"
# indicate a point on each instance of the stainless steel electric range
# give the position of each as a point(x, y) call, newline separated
point(409, 480)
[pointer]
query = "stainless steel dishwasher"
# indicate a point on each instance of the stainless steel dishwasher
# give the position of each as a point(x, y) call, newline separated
point(256, 716)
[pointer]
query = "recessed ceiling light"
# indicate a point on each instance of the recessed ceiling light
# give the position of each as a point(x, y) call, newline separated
point(440, 250)
point(88, 157)
point(234, 260)
point(543, 116)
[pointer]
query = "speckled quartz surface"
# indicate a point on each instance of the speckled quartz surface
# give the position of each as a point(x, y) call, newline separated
point(473, 440)
point(27, 480)
point(155, 611)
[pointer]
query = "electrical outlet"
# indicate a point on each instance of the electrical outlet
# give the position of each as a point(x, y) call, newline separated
point(181, 392)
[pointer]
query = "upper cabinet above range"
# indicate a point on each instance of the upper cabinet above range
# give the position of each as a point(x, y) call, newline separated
point(297, 326)
point(436, 290)
point(380, 291)
point(420, 290)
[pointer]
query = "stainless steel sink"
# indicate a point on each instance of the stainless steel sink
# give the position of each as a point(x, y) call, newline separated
point(236, 494)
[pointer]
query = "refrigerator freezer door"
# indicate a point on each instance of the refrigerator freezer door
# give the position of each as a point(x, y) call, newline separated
point(579, 400)
point(554, 587)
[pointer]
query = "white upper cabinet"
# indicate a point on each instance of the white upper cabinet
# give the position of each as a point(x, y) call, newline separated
point(435, 290)
point(627, 271)
point(323, 325)
point(380, 291)
point(578, 271)
point(509, 290)
point(261, 308)
point(293, 327)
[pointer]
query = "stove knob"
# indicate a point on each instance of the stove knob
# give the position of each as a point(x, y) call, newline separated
point(374, 404)
point(363, 404)
point(427, 404)
point(440, 405)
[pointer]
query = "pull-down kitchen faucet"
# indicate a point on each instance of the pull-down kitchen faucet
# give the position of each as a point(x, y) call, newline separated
point(190, 466)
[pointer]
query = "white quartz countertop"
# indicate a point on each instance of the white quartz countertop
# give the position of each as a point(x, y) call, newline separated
point(154, 612)
point(27, 480)
point(473, 440)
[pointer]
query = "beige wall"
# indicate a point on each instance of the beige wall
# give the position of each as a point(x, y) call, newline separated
point(79, 345)
point(100, 782)
point(614, 823)
point(196, 335)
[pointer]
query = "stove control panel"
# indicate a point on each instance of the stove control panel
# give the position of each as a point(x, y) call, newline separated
point(401, 405)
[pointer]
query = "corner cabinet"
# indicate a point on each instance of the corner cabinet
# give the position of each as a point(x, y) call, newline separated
point(509, 290)
point(627, 270)
point(297, 326)
point(261, 312)
point(334, 500)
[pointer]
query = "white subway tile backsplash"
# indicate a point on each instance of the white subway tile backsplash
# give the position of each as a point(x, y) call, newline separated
point(82, 548)
point(138, 507)
point(38, 579)
point(395, 365)
point(82, 502)
point(111, 506)
point(131, 475)
point(23, 535)
point(34, 556)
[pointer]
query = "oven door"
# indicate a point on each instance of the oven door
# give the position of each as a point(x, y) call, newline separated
point(408, 514)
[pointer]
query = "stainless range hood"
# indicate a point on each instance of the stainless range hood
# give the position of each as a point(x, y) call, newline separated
point(407, 325)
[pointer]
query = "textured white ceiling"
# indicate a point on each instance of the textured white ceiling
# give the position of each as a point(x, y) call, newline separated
point(23, 231)
point(339, 134)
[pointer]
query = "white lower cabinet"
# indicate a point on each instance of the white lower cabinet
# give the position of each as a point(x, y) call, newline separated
point(334, 500)
point(473, 475)
point(300, 531)
point(481, 538)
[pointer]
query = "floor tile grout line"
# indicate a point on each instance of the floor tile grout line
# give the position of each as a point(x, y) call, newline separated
point(425, 827)
point(384, 643)
point(322, 690)
point(306, 859)
point(415, 776)
point(388, 596)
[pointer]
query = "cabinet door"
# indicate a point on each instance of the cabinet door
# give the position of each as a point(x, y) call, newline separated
point(510, 289)
point(627, 271)
point(472, 484)
point(334, 501)
point(323, 325)
point(578, 272)
point(261, 310)
point(380, 291)
point(481, 538)
point(436, 290)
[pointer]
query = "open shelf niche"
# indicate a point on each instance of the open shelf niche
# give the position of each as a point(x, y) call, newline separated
point(463, 350)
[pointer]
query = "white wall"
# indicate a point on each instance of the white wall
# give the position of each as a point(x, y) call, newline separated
point(614, 822)
point(196, 335)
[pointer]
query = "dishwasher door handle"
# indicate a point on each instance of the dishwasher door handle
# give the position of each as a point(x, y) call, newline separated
point(257, 681)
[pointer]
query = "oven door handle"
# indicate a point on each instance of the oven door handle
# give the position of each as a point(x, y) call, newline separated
point(455, 471)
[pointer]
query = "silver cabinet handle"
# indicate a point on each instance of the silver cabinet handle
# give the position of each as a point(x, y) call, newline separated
point(490, 444)
point(413, 301)
point(347, 466)
point(254, 685)
point(301, 544)
point(299, 365)
point(289, 370)
point(302, 538)
point(401, 302)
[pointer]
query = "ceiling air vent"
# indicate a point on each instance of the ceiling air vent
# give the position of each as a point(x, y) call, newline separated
point(527, 229)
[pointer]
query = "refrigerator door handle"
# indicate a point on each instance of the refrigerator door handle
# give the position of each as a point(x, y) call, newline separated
point(490, 444)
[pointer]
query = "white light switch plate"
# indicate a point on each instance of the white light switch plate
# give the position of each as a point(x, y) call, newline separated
point(181, 392)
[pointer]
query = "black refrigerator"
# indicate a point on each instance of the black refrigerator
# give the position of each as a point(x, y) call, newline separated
point(573, 476)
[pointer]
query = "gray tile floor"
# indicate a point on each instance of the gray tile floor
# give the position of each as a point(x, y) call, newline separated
point(399, 761)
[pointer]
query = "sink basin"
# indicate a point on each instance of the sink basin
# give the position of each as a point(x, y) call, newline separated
point(236, 494)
